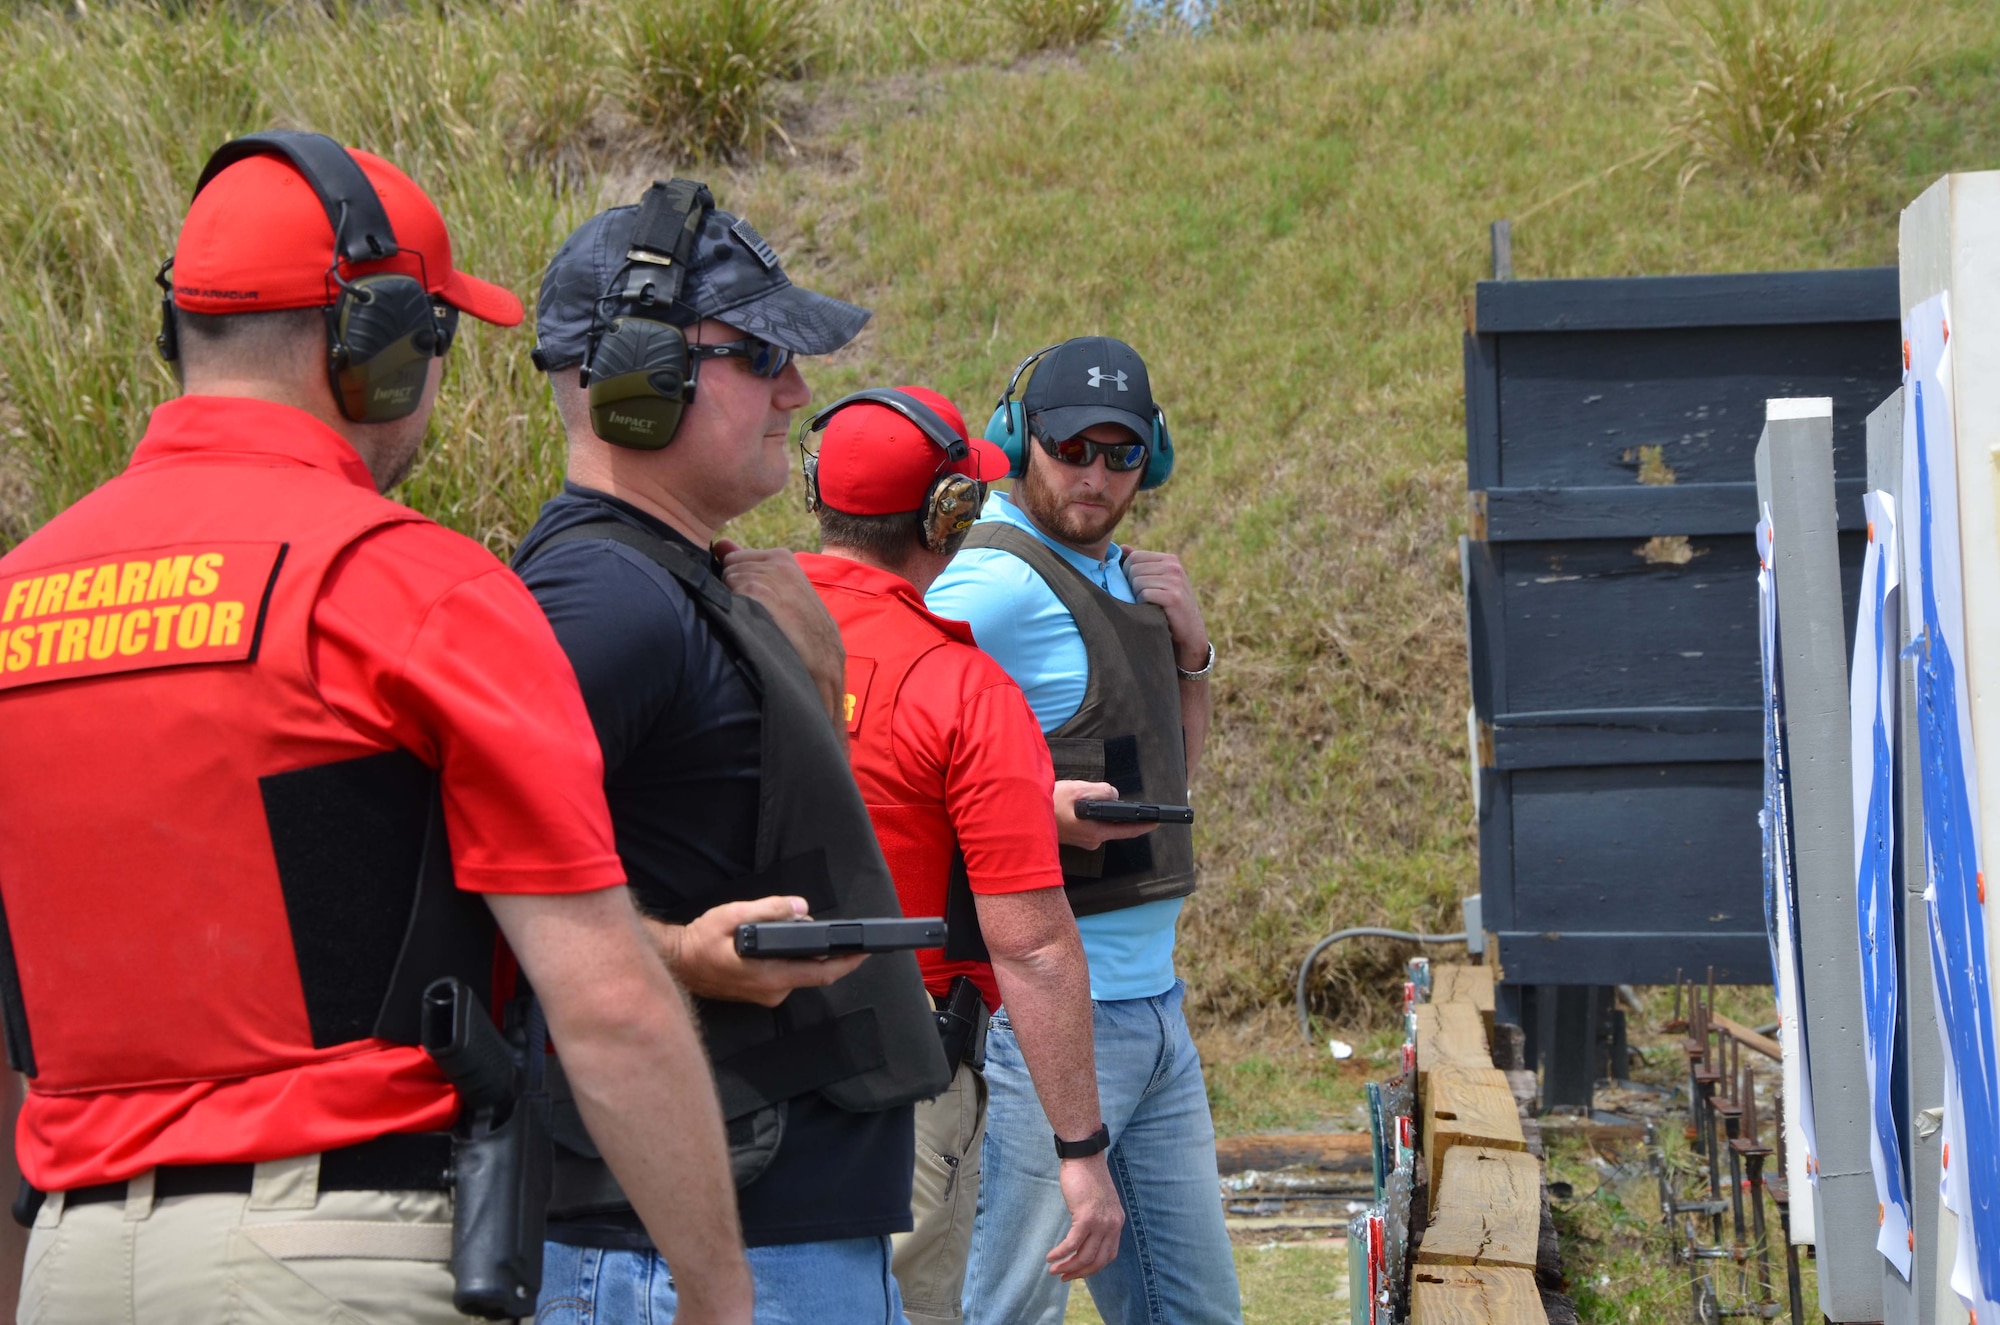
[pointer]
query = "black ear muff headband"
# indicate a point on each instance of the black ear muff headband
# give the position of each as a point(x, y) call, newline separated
point(638, 370)
point(955, 448)
point(382, 330)
point(952, 501)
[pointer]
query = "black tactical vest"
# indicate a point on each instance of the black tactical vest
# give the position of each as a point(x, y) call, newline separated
point(867, 1042)
point(1127, 732)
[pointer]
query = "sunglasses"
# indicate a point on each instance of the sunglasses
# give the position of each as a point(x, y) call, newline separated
point(760, 356)
point(1119, 457)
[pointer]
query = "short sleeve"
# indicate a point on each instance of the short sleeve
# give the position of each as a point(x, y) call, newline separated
point(422, 640)
point(1018, 620)
point(961, 723)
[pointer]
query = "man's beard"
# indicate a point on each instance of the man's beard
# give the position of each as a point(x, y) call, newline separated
point(1070, 523)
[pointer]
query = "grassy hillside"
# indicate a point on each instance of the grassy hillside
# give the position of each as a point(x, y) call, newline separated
point(1284, 221)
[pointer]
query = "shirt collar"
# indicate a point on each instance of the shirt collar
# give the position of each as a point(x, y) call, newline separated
point(239, 429)
point(1001, 509)
point(857, 577)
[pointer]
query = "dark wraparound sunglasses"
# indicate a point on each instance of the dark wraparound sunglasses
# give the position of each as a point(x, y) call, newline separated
point(1119, 457)
point(760, 356)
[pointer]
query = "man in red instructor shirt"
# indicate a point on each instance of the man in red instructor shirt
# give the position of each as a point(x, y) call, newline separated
point(275, 746)
point(957, 778)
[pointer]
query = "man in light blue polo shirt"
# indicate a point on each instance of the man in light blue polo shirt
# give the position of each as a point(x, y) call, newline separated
point(1109, 646)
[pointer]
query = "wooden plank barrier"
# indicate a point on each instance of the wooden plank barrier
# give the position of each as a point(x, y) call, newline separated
point(1450, 1035)
point(1489, 1210)
point(1465, 984)
point(1468, 1106)
point(1474, 1295)
point(1475, 1264)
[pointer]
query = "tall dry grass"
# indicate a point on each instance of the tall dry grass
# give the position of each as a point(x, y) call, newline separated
point(709, 68)
point(1778, 87)
point(1043, 25)
point(1336, 15)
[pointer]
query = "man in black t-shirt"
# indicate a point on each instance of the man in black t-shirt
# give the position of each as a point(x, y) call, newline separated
point(680, 714)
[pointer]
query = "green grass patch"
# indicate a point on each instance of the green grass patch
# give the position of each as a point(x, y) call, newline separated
point(1283, 1283)
point(1617, 1253)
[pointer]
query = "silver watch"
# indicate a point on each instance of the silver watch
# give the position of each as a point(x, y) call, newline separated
point(1206, 667)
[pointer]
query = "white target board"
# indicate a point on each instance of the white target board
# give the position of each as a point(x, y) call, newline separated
point(1950, 531)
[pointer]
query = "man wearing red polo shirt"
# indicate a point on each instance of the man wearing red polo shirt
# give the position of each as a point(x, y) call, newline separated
point(958, 784)
point(271, 739)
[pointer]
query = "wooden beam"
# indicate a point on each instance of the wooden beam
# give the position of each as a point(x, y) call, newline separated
point(1467, 1106)
point(1332, 1152)
point(1474, 1295)
point(1451, 1035)
point(1748, 1038)
point(1466, 984)
point(1486, 1210)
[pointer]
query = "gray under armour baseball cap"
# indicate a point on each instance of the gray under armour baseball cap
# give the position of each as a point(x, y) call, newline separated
point(735, 277)
point(1092, 379)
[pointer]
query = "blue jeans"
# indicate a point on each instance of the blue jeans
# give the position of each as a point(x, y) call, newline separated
point(1174, 1262)
point(802, 1283)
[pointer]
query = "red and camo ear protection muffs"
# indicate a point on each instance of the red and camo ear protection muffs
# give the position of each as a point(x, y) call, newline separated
point(1008, 429)
point(952, 501)
point(382, 330)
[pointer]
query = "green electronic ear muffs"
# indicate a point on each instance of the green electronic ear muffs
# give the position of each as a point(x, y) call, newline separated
point(1008, 430)
point(639, 383)
point(638, 369)
point(382, 334)
point(952, 501)
point(382, 330)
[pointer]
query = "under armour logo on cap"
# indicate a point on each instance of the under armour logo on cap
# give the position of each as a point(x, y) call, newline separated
point(1098, 377)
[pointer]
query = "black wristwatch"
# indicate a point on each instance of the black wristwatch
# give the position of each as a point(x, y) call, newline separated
point(1090, 1145)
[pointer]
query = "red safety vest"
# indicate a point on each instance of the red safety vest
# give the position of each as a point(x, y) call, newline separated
point(886, 635)
point(153, 682)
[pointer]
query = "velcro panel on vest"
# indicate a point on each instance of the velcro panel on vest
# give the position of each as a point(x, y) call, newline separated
point(965, 940)
point(805, 874)
point(803, 1059)
point(1114, 760)
point(20, 1048)
point(366, 874)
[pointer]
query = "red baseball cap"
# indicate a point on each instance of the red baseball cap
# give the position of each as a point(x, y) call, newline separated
point(257, 239)
point(873, 461)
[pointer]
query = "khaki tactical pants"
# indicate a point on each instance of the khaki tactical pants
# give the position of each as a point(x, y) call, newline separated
point(930, 1258)
point(286, 1254)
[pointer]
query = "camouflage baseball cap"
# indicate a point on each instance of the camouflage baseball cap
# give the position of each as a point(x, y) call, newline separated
point(735, 277)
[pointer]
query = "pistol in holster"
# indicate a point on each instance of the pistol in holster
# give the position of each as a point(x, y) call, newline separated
point(961, 1023)
point(501, 1150)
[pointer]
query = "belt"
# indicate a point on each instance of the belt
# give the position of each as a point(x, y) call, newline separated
point(403, 1161)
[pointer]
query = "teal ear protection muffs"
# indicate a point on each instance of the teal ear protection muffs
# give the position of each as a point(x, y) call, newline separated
point(952, 501)
point(1008, 429)
point(382, 330)
point(638, 369)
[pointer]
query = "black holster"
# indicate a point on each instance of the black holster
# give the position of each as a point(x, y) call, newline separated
point(961, 1023)
point(502, 1155)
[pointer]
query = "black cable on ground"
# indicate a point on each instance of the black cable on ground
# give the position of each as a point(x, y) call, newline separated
point(1360, 932)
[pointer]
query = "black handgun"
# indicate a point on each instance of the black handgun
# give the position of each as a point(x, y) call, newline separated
point(501, 1151)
